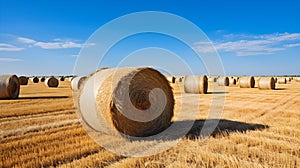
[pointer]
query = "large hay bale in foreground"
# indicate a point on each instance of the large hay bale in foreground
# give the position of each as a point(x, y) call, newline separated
point(51, 82)
point(9, 87)
point(281, 81)
point(232, 82)
point(23, 80)
point(223, 81)
point(266, 83)
point(35, 80)
point(196, 84)
point(77, 82)
point(134, 101)
point(247, 82)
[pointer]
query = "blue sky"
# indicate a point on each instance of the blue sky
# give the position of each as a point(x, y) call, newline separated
point(251, 37)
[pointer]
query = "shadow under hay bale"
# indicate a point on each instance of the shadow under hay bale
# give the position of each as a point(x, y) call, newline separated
point(44, 97)
point(224, 127)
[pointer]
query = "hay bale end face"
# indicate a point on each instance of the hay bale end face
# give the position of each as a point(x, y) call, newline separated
point(23, 80)
point(35, 80)
point(77, 82)
point(42, 79)
point(51, 82)
point(247, 82)
point(196, 84)
point(9, 87)
point(266, 83)
point(223, 81)
point(132, 92)
point(62, 78)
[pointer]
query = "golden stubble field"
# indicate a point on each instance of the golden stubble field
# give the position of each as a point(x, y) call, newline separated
point(258, 128)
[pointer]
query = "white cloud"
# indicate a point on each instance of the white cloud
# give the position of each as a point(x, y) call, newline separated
point(246, 45)
point(55, 44)
point(26, 40)
point(10, 60)
point(293, 45)
point(9, 47)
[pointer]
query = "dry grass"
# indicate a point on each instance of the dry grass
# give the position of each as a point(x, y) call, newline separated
point(43, 131)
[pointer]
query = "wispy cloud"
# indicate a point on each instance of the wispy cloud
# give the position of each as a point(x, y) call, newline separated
point(55, 44)
point(9, 47)
point(10, 60)
point(246, 45)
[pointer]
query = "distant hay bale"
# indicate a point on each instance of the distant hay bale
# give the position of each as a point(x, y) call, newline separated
point(275, 79)
point(179, 79)
point(129, 98)
point(196, 84)
point(232, 82)
point(171, 79)
point(9, 87)
point(247, 82)
point(42, 79)
point(297, 79)
point(281, 80)
point(223, 81)
point(266, 83)
point(256, 81)
point(212, 79)
point(51, 82)
point(35, 80)
point(77, 82)
point(62, 78)
point(23, 80)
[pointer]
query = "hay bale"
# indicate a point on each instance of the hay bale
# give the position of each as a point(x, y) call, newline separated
point(232, 82)
point(266, 83)
point(275, 79)
point(42, 79)
point(62, 78)
point(196, 84)
point(77, 82)
point(51, 82)
point(247, 82)
point(129, 98)
point(23, 80)
point(281, 81)
point(297, 79)
point(223, 81)
point(35, 80)
point(71, 78)
point(9, 87)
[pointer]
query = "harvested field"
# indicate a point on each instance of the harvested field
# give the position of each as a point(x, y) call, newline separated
point(258, 128)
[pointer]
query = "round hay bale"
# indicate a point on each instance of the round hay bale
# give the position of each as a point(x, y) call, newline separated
point(77, 82)
point(42, 79)
point(232, 82)
point(23, 80)
point(281, 81)
point(223, 81)
point(266, 83)
point(71, 78)
point(129, 98)
point(51, 82)
point(196, 84)
point(247, 82)
point(297, 79)
point(9, 87)
point(275, 79)
point(35, 80)
point(62, 78)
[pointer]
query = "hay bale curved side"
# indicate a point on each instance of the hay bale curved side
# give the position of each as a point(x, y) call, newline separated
point(77, 82)
point(232, 82)
point(266, 83)
point(281, 81)
point(223, 81)
point(112, 104)
point(23, 80)
point(297, 79)
point(9, 87)
point(51, 82)
point(247, 82)
point(196, 84)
